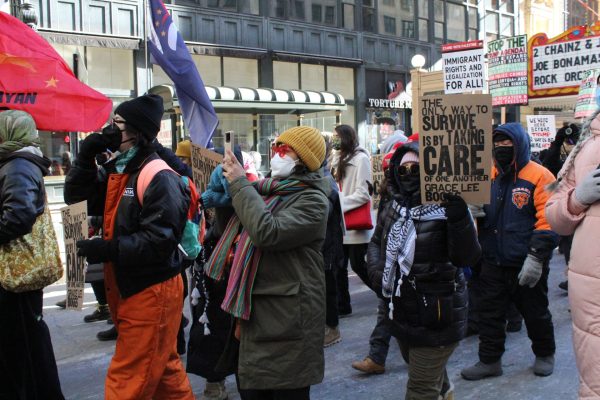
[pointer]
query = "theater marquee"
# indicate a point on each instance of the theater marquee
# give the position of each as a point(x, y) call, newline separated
point(557, 65)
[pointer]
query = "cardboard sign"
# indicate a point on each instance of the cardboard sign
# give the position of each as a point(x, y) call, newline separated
point(507, 70)
point(204, 161)
point(557, 65)
point(586, 100)
point(542, 130)
point(377, 175)
point(455, 139)
point(464, 66)
point(75, 227)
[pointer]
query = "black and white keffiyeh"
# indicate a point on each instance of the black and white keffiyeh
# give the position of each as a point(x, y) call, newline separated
point(400, 247)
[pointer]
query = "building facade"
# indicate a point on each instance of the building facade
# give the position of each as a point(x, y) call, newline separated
point(359, 49)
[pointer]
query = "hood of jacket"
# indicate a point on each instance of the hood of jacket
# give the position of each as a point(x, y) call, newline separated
point(396, 191)
point(42, 162)
point(520, 140)
point(316, 180)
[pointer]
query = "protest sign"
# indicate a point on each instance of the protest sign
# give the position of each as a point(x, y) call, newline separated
point(586, 99)
point(542, 130)
point(204, 161)
point(75, 227)
point(455, 153)
point(377, 175)
point(507, 70)
point(463, 65)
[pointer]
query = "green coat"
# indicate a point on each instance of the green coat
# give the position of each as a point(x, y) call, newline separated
point(281, 345)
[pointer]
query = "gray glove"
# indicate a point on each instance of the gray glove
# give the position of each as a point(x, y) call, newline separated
point(531, 271)
point(588, 191)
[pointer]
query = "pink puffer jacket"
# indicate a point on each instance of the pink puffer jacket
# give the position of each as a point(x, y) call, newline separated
point(566, 215)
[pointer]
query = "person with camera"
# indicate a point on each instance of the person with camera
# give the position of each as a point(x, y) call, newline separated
point(414, 263)
point(139, 250)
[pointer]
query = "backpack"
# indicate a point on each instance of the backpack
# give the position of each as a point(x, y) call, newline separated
point(189, 244)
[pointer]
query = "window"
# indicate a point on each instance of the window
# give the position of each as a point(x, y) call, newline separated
point(406, 5)
point(299, 9)
point(348, 12)
point(240, 72)
point(440, 19)
point(389, 25)
point(423, 30)
point(408, 29)
point(491, 4)
point(388, 2)
point(281, 9)
point(506, 26)
point(507, 6)
point(330, 15)
point(316, 13)
point(456, 29)
point(368, 19)
point(423, 9)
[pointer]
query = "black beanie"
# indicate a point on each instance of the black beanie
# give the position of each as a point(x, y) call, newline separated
point(143, 113)
point(499, 136)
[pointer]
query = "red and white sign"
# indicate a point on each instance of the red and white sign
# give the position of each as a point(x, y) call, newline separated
point(463, 66)
point(542, 130)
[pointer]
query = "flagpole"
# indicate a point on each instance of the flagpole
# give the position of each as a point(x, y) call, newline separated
point(145, 33)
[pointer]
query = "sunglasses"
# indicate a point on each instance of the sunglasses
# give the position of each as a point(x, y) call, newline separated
point(403, 170)
point(281, 149)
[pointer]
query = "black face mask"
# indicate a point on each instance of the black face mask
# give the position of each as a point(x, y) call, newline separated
point(113, 137)
point(504, 156)
point(409, 184)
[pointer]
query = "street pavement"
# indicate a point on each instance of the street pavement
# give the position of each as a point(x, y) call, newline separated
point(83, 360)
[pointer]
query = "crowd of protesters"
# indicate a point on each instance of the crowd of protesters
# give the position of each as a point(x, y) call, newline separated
point(270, 282)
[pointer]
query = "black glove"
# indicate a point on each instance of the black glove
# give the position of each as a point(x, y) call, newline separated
point(90, 146)
point(456, 208)
point(98, 250)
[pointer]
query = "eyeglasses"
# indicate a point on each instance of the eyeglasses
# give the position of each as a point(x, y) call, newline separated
point(403, 170)
point(281, 149)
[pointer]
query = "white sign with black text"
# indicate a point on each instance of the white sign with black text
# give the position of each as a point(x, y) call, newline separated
point(542, 130)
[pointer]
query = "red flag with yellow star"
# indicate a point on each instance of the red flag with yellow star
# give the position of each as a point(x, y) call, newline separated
point(35, 78)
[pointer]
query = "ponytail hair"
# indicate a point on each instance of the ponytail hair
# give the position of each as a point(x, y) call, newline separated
point(586, 135)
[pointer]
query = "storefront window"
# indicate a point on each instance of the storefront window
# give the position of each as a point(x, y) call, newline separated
point(285, 75)
point(240, 72)
point(382, 123)
point(313, 77)
point(56, 146)
point(110, 68)
point(341, 80)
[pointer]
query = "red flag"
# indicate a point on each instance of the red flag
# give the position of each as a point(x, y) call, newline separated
point(35, 78)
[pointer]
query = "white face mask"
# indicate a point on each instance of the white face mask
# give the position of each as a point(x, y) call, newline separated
point(281, 167)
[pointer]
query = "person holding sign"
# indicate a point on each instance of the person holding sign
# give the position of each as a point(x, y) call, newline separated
point(138, 248)
point(573, 208)
point(27, 365)
point(414, 263)
point(517, 244)
point(351, 168)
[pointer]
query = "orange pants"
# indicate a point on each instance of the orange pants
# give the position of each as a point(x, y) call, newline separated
point(146, 364)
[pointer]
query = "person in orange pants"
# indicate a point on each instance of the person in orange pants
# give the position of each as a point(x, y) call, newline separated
point(139, 251)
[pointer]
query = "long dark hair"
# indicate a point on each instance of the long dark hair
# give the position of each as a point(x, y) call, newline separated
point(349, 143)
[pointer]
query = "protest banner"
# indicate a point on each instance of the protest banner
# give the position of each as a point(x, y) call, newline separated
point(75, 227)
point(542, 130)
point(507, 70)
point(455, 154)
point(377, 175)
point(586, 99)
point(204, 161)
point(463, 65)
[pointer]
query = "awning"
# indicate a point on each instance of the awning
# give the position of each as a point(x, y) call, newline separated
point(90, 40)
point(274, 100)
point(260, 100)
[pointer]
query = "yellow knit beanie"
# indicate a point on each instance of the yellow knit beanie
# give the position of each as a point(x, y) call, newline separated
point(184, 149)
point(308, 143)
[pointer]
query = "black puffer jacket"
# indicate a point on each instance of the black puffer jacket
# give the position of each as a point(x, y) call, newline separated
point(22, 193)
point(147, 236)
point(432, 308)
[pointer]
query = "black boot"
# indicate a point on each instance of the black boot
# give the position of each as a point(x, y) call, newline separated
point(109, 334)
point(101, 313)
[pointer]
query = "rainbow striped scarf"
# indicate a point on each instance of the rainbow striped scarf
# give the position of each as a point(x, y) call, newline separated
point(238, 296)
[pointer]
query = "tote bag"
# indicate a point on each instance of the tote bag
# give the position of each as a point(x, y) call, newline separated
point(32, 261)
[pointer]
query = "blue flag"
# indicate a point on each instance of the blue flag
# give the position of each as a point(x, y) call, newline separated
point(169, 51)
